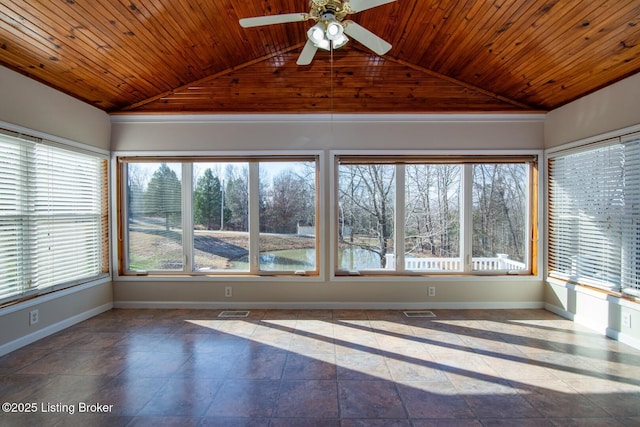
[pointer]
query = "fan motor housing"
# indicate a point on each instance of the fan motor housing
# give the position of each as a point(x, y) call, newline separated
point(337, 9)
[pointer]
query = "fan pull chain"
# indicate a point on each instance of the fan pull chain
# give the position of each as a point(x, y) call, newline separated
point(331, 91)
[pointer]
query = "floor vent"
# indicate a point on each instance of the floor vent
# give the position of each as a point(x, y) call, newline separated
point(419, 313)
point(234, 314)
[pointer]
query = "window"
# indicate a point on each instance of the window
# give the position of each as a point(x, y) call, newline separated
point(53, 216)
point(500, 215)
point(434, 214)
point(594, 201)
point(220, 215)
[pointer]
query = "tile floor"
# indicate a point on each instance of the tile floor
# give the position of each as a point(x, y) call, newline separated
point(323, 368)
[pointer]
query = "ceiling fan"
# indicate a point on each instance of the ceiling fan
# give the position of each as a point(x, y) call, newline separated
point(330, 28)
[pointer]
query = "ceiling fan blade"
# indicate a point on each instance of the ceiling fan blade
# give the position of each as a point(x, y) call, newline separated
point(366, 37)
point(273, 19)
point(360, 5)
point(307, 54)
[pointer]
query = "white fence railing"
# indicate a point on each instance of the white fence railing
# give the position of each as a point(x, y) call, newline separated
point(501, 262)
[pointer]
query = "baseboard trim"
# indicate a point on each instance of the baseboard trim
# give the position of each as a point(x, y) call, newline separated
point(52, 329)
point(609, 332)
point(559, 311)
point(623, 338)
point(327, 305)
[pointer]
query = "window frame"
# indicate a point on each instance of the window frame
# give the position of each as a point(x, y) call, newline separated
point(608, 140)
point(61, 147)
point(252, 160)
point(466, 159)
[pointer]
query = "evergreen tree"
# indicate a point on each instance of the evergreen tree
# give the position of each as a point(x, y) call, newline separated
point(207, 200)
point(163, 196)
point(237, 198)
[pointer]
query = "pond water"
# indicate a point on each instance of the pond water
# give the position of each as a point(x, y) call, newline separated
point(305, 259)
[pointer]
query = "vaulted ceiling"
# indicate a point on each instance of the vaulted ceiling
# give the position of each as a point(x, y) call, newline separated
point(192, 56)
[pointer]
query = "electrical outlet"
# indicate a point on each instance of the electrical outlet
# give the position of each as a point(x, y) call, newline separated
point(228, 291)
point(34, 316)
point(432, 291)
point(626, 320)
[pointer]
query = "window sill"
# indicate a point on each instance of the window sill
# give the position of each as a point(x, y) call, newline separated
point(218, 278)
point(52, 294)
point(595, 292)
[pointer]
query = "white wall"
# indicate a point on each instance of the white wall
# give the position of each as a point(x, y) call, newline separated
point(430, 132)
point(265, 133)
point(26, 103)
point(612, 108)
point(607, 111)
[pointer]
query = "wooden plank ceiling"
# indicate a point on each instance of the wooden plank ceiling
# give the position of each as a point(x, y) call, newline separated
point(163, 56)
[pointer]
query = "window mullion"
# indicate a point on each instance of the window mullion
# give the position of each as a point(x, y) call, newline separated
point(187, 218)
point(399, 243)
point(254, 218)
point(466, 219)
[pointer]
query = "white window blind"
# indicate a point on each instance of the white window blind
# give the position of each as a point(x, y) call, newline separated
point(631, 216)
point(593, 204)
point(53, 216)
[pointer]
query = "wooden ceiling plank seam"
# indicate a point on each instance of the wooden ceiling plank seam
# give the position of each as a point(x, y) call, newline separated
point(467, 85)
point(197, 82)
point(225, 89)
point(552, 38)
point(229, 55)
point(14, 61)
point(479, 64)
point(217, 91)
point(145, 28)
point(420, 40)
point(395, 32)
point(135, 65)
point(42, 38)
point(526, 75)
point(394, 95)
point(552, 91)
point(475, 21)
point(119, 74)
point(441, 35)
point(445, 51)
point(458, 23)
point(273, 38)
point(54, 66)
point(595, 87)
point(546, 25)
point(137, 39)
point(200, 59)
point(85, 53)
point(571, 60)
point(561, 51)
point(63, 22)
point(344, 102)
point(161, 30)
point(30, 37)
point(482, 70)
point(193, 55)
point(587, 78)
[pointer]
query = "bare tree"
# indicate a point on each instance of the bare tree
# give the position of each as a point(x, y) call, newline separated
point(366, 196)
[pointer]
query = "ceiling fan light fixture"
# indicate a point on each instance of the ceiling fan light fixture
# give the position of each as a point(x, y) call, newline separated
point(340, 41)
point(316, 34)
point(334, 30)
point(324, 44)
